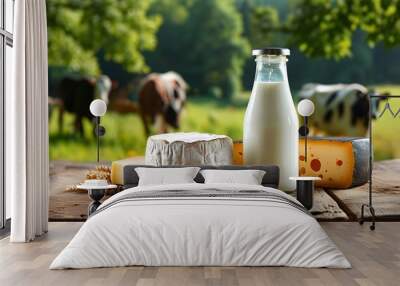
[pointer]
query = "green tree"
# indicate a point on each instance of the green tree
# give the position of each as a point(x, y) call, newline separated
point(345, 41)
point(263, 20)
point(321, 28)
point(325, 28)
point(79, 29)
point(202, 40)
point(258, 21)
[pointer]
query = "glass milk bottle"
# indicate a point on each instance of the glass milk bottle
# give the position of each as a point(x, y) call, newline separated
point(270, 132)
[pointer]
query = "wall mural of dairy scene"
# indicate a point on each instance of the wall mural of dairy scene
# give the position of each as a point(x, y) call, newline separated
point(235, 68)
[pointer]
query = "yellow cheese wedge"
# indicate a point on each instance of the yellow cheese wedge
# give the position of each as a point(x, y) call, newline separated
point(340, 162)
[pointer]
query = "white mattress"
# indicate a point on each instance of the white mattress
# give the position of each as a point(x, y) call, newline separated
point(191, 231)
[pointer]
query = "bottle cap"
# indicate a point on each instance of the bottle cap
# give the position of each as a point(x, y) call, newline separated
point(271, 51)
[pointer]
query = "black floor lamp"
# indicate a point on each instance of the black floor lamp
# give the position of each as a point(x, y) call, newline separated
point(306, 109)
point(98, 108)
point(305, 184)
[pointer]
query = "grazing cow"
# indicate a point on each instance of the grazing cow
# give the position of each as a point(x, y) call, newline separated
point(161, 100)
point(340, 109)
point(123, 99)
point(76, 94)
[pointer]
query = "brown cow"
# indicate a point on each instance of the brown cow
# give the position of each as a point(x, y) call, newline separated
point(161, 100)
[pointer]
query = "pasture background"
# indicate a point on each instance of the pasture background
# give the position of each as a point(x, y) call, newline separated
point(209, 43)
point(125, 137)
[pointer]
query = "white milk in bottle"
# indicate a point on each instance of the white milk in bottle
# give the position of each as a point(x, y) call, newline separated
point(270, 132)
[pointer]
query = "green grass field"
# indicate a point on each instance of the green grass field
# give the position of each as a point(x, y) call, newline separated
point(125, 136)
point(386, 136)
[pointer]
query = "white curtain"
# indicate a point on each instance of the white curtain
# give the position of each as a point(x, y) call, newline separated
point(27, 124)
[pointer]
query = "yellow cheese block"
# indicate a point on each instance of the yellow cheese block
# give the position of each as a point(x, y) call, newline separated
point(117, 168)
point(340, 162)
point(237, 153)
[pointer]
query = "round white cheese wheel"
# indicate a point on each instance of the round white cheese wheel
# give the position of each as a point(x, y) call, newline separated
point(188, 149)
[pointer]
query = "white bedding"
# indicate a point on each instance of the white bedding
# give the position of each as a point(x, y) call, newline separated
point(222, 231)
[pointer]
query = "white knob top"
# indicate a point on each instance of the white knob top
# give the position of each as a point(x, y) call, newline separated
point(98, 107)
point(305, 107)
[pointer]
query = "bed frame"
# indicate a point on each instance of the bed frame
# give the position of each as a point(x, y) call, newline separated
point(270, 179)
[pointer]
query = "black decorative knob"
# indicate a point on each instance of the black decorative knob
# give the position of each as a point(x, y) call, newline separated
point(99, 131)
point(303, 130)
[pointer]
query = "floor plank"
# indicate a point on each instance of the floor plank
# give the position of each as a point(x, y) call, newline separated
point(375, 257)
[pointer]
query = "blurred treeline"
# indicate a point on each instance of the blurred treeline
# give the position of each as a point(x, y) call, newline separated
point(209, 42)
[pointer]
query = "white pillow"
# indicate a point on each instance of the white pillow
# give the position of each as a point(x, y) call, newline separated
point(166, 176)
point(248, 177)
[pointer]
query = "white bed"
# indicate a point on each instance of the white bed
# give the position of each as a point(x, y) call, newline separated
point(237, 229)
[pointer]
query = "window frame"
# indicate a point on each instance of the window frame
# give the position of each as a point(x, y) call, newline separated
point(6, 39)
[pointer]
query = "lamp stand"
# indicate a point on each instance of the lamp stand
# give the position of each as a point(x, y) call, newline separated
point(98, 131)
point(303, 131)
point(305, 137)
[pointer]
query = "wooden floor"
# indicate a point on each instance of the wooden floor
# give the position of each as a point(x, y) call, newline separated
point(375, 257)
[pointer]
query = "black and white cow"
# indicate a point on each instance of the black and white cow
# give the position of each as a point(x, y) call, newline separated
point(74, 94)
point(340, 109)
